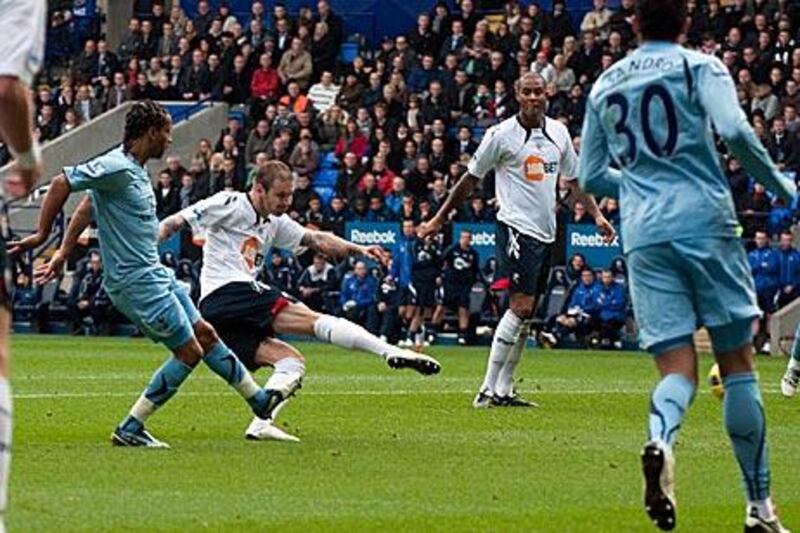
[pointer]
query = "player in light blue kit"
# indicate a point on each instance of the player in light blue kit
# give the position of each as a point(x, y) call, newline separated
point(139, 286)
point(651, 114)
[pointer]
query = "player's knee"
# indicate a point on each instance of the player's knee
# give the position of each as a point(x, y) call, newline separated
point(522, 307)
point(206, 334)
point(8, 87)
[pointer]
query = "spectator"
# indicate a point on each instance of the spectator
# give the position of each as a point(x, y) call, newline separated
point(597, 20)
point(295, 100)
point(789, 278)
point(611, 307)
point(378, 212)
point(324, 50)
point(257, 141)
point(194, 82)
point(164, 90)
point(330, 127)
point(131, 45)
point(92, 305)
point(236, 84)
point(351, 141)
point(580, 316)
point(305, 156)
point(754, 209)
point(316, 283)
point(167, 196)
point(296, 64)
point(265, 84)
point(357, 297)
point(765, 266)
point(280, 274)
point(543, 67)
point(575, 267)
point(86, 105)
point(581, 216)
point(323, 94)
point(460, 271)
point(336, 216)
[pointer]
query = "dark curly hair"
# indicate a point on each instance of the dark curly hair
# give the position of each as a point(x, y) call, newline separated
point(661, 20)
point(144, 115)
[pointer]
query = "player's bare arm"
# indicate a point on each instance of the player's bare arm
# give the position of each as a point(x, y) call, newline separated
point(588, 200)
point(170, 226)
point(16, 125)
point(458, 195)
point(333, 246)
point(79, 222)
point(54, 200)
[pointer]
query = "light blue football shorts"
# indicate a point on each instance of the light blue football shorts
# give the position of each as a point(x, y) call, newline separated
point(682, 285)
point(159, 306)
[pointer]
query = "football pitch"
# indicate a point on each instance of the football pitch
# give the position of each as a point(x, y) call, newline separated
point(381, 449)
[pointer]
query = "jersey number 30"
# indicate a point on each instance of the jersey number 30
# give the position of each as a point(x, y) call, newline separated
point(621, 127)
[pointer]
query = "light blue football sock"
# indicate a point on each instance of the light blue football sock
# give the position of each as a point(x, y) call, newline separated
point(223, 362)
point(747, 428)
point(668, 405)
point(163, 386)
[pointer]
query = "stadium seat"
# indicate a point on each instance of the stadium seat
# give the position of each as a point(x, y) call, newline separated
point(349, 53)
point(326, 178)
point(325, 194)
point(329, 161)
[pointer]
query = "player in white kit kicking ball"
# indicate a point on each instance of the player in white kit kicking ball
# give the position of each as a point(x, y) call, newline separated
point(529, 153)
point(246, 314)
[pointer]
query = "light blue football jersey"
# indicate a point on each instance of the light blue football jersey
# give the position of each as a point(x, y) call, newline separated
point(124, 206)
point(651, 114)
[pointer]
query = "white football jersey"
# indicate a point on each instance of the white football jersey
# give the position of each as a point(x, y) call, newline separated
point(527, 165)
point(236, 237)
point(22, 26)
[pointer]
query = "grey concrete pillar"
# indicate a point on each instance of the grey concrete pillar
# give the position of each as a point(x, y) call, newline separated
point(118, 14)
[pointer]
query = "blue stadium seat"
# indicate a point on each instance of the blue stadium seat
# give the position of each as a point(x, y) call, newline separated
point(238, 115)
point(325, 194)
point(329, 161)
point(325, 178)
point(349, 53)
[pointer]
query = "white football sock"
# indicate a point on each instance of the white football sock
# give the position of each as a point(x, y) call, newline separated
point(793, 363)
point(5, 440)
point(766, 509)
point(505, 337)
point(287, 375)
point(505, 380)
point(344, 333)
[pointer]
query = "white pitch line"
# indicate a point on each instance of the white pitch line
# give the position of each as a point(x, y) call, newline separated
point(585, 392)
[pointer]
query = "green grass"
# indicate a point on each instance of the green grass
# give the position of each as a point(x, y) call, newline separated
point(381, 450)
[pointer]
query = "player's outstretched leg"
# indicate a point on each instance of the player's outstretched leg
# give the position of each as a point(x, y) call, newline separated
point(348, 335)
point(791, 379)
point(289, 369)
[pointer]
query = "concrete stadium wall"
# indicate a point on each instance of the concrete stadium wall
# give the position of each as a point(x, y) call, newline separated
point(782, 326)
point(104, 133)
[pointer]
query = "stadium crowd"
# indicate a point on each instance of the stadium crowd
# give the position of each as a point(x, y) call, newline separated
point(382, 134)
